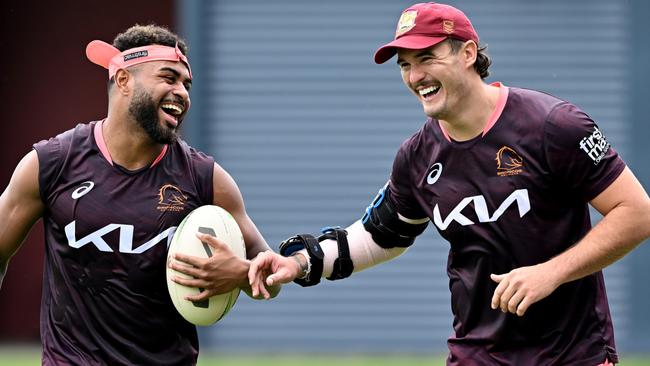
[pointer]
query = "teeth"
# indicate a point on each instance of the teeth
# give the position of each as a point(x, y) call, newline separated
point(428, 90)
point(176, 110)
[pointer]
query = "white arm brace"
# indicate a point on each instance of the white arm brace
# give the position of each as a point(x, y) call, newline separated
point(364, 252)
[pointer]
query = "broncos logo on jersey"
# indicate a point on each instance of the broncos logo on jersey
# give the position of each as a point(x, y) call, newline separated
point(171, 198)
point(508, 162)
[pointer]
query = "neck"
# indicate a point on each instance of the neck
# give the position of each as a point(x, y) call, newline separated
point(474, 110)
point(128, 145)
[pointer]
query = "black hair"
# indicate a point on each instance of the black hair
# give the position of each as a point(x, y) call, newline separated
point(483, 61)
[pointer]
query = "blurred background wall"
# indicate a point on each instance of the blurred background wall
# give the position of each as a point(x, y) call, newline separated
point(288, 100)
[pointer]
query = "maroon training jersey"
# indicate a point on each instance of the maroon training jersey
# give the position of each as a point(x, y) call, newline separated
point(515, 196)
point(107, 230)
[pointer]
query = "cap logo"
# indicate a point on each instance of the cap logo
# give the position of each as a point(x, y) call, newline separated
point(448, 26)
point(133, 55)
point(406, 22)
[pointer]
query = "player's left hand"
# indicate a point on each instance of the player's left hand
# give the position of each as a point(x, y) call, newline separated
point(522, 287)
point(221, 273)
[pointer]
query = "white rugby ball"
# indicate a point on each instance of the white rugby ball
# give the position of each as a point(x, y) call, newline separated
point(218, 222)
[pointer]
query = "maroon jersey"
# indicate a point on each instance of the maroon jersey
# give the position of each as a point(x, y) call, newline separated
point(107, 230)
point(514, 196)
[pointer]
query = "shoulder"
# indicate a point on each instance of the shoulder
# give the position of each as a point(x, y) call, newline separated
point(79, 138)
point(196, 166)
point(530, 102)
point(428, 134)
point(413, 154)
point(74, 137)
point(545, 112)
point(567, 123)
point(191, 153)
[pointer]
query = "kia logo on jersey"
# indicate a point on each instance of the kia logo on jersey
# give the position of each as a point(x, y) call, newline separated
point(520, 197)
point(125, 242)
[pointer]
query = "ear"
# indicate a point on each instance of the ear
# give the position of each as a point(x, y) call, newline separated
point(122, 79)
point(469, 53)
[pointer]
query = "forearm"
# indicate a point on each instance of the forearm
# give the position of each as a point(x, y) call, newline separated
point(364, 252)
point(620, 231)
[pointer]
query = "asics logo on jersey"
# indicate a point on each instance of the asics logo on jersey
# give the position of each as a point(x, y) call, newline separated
point(520, 197)
point(85, 188)
point(434, 173)
point(125, 241)
point(595, 145)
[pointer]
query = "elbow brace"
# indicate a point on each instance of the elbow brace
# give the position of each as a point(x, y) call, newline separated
point(363, 251)
point(342, 266)
point(388, 228)
point(381, 234)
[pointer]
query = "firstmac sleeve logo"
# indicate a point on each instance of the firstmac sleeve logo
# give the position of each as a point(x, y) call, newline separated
point(595, 145)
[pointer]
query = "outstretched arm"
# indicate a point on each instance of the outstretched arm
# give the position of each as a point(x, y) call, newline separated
point(380, 235)
point(223, 271)
point(626, 223)
point(20, 207)
point(270, 268)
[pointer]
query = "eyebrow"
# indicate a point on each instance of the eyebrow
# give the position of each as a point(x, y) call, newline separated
point(175, 72)
point(426, 52)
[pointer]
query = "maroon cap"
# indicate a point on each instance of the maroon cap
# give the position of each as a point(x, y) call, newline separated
point(424, 25)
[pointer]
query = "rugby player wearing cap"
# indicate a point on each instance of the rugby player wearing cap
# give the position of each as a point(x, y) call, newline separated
point(111, 193)
point(505, 174)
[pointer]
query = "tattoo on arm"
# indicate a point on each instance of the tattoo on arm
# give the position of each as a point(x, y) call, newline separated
point(304, 265)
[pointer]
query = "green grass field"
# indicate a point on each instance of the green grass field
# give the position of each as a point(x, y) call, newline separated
point(31, 357)
point(320, 360)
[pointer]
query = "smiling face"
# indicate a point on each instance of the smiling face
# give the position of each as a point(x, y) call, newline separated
point(439, 77)
point(160, 99)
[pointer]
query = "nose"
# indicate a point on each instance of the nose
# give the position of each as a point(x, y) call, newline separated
point(181, 93)
point(416, 74)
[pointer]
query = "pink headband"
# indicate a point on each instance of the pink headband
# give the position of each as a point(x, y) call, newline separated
point(109, 57)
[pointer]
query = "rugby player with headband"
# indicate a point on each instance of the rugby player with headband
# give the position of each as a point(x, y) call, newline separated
point(111, 193)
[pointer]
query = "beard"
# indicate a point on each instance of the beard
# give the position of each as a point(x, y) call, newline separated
point(145, 112)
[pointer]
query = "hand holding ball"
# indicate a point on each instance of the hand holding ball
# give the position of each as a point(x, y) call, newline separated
point(217, 222)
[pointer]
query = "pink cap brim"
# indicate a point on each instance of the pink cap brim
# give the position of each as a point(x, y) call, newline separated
point(411, 42)
point(101, 53)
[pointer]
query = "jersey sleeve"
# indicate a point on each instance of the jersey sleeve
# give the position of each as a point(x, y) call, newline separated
point(401, 185)
point(202, 174)
point(578, 154)
point(50, 160)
